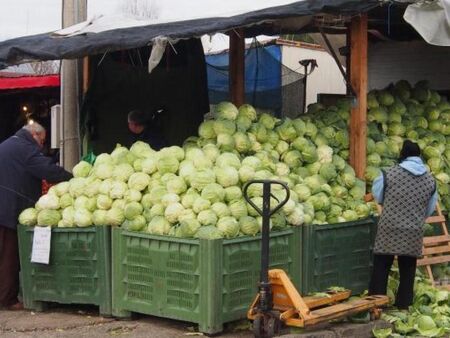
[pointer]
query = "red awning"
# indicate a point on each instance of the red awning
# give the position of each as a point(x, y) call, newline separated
point(29, 82)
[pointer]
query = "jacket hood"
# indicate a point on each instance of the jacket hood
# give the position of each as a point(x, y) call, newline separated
point(414, 165)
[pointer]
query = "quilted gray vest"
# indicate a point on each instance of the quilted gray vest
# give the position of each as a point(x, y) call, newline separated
point(400, 227)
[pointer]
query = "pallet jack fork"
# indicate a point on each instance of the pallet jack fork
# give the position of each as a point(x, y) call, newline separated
point(279, 302)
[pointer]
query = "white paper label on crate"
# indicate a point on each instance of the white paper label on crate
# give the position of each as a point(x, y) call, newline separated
point(41, 245)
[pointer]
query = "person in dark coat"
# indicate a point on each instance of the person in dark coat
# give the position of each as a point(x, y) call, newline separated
point(146, 129)
point(22, 169)
point(408, 194)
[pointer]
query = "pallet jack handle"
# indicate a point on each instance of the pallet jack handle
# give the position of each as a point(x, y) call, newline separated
point(266, 303)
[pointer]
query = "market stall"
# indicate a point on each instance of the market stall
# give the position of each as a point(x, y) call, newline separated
point(155, 200)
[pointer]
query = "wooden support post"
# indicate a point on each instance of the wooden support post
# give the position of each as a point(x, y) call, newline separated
point(85, 74)
point(237, 67)
point(358, 79)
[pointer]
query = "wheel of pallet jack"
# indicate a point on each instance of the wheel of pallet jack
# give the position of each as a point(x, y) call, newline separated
point(272, 326)
point(258, 327)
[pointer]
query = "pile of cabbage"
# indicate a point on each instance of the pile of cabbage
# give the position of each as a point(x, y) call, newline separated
point(429, 316)
point(196, 190)
point(399, 112)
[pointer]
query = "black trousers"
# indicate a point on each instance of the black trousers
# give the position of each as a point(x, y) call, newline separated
point(378, 283)
point(9, 267)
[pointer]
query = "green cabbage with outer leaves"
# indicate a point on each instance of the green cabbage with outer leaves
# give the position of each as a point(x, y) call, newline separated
point(103, 158)
point(248, 225)
point(122, 172)
point(141, 149)
point(242, 142)
point(158, 226)
point(232, 193)
point(132, 195)
point(213, 192)
point(28, 217)
point(149, 166)
point(228, 226)
point(201, 178)
point(82, 169)
point(221, 209)
point(324, 153)
point(268, 121)
point(118, 189)
point(62, 188)
point(48, 201)
point(99, 218)
point(82, 217)
point(211, 152)
point(224, 127)
point(139, 181)
point(248, 111)
point(208, 232)
point(201, 204)
point(238, 208)
point(173, 151)
point(228, 160)
point(48, 217)
point(115, 216)
point(226, 110)
point(227, 176)
point(104, 202)
point(207, 217)
point(173, 211)
point(167, 164)
point(92, 186)
point(169, 198)
point(225, 142)
point(188, 228)
point(303, 192)
point(186, 214)
point(136, 224)
point(189, 198)
point(328, 171)
point(132, 209)
point(286, 130)
point(206, 130)
point(246, 173)
point(176, 185)
point(243, 123)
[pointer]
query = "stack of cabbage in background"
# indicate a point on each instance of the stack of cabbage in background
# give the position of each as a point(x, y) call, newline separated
point(196, 190)
point(398, 112)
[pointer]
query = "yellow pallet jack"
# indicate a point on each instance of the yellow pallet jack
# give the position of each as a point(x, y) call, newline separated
point(278, 301)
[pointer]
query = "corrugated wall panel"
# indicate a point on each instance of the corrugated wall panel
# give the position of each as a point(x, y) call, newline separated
point(412, 61)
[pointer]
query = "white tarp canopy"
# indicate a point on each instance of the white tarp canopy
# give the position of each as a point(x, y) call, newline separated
point(103, 34)
point(431, 19)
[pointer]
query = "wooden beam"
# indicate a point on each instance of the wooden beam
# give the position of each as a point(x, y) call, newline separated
point(358, 79)
point(85, 74)
point(237, 67)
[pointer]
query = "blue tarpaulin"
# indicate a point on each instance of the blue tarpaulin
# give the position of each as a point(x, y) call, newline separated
point(262, 77)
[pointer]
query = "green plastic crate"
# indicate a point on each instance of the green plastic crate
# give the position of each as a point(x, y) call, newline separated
point(79, 271)
point(337, 255)
point(208, 282)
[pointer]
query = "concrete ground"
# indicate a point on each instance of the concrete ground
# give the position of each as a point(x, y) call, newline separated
point(71, 322)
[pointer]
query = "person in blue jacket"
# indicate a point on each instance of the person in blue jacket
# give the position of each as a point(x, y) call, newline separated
point(146, 129)
point(408, 194)
point(22, 169)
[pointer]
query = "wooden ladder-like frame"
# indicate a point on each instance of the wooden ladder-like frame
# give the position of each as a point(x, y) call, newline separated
point(436, 249)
